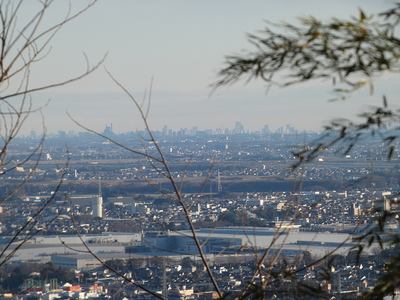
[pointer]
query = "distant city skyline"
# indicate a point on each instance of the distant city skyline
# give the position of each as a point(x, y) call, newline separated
point(191, 130)
point(172, 43)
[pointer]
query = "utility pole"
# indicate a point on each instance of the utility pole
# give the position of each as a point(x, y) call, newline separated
point(164, 281)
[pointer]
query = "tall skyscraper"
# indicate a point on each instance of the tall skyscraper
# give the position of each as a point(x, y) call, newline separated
point(239, 128)
point(265, 130)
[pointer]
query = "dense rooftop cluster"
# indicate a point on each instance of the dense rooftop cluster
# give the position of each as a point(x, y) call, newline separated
point(228, 180)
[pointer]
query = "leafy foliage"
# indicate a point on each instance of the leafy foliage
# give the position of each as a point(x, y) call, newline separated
point(342, 135)
point(346, 51)
point(351, 53)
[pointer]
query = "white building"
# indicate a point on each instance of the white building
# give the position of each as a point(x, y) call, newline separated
point(97, 206)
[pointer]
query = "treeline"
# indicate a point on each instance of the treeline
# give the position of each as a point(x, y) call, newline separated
point(190, 186)
point(12, 276)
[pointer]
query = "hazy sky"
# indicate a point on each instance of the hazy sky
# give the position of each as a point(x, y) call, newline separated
point(181, 44)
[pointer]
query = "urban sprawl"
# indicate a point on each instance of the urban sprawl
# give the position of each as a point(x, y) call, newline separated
point(102, 204)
